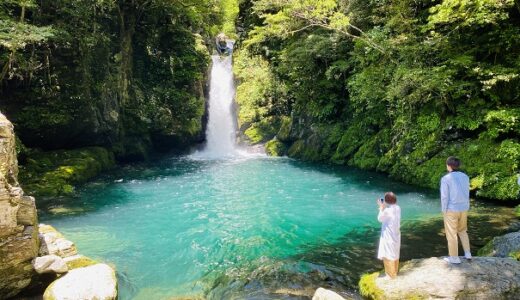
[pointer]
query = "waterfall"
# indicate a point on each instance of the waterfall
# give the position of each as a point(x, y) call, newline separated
point(220, 131)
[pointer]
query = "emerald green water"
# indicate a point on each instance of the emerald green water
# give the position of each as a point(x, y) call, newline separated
point(258, 228)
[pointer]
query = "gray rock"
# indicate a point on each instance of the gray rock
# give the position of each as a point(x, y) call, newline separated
point(324, 294)
point(433, 278)
point(93, 282)
point(50, 264)
point(53, 242)
point(502, 246)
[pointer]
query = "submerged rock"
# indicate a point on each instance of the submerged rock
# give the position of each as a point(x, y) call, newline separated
point(93, 282)
point(433, 278)
point(324, 294)
point(50, 264)
point(502, 246)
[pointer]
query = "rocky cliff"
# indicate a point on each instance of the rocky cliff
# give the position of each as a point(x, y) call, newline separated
point(18, 220)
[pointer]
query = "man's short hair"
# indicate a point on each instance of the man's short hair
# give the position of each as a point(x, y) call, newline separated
point(390, 198)
point(453, 162)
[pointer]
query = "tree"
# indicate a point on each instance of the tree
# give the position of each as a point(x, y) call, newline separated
point(16, 34)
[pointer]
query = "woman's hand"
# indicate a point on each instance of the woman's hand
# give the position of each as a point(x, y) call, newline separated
point(380, 204)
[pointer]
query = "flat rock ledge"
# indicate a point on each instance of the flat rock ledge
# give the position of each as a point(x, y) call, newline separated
point(433, 278)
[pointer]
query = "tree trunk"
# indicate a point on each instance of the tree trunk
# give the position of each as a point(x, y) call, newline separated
point(127, 29)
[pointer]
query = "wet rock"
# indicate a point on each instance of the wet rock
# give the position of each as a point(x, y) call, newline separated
point(53, 242)
point(324, 294)
point(93, 282)
point(502, 246)
point(50, 264)
point(433, 278)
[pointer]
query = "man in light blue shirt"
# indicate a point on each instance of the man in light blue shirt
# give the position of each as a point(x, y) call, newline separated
point(455, 206)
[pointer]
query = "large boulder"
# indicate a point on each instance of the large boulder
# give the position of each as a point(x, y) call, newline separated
point(18, 237)
point(503, 246)
point(433, 278)
point(95, 282)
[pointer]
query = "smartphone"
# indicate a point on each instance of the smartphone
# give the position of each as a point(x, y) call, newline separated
point(382, 200)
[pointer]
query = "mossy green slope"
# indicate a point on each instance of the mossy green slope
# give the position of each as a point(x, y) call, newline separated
point(55, 173)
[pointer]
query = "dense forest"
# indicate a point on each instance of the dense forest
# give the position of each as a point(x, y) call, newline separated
point(127, 77)
point(393, 86)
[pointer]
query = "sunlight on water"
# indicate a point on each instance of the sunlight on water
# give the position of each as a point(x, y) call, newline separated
point(182, 226)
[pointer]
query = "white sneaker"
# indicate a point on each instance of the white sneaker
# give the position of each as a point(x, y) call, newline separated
point(467, 255)
point(452, 259)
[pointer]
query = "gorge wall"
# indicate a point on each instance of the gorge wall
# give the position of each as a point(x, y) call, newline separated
point(391, 86)
point(19, 241)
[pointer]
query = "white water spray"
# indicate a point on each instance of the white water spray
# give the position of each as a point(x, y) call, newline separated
point(220, 131)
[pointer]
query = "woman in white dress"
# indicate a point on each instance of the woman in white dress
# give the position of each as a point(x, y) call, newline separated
point(390, 241)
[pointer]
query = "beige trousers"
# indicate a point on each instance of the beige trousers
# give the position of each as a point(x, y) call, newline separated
point(391, 267)
point(456, 223)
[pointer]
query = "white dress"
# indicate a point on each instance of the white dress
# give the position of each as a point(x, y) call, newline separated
point(390, 240)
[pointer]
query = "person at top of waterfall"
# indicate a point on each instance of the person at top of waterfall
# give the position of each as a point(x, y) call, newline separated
point(390, 240)
point(455, 206)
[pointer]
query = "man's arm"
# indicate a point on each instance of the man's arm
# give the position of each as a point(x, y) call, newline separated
point(445, 195)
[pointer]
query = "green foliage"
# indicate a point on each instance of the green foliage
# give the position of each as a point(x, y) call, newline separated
point(259, 96)
point(404, 84)
point(255, 87)
point(127, 75)
point(17, 35)
point(502, 122)
point(229, 15)
point(470, 12)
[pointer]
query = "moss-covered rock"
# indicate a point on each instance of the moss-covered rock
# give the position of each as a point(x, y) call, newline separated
point(502, 246)
point(319, 142)
point(55, 173)
point(262, 131)
point(275, 148)
point(284, 134)
point(514, 255)
point(368, 287)
point(350, 141)
point(369, 154)
point(79, 261)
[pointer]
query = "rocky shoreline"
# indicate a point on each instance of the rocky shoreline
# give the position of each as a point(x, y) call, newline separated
point(35, 257)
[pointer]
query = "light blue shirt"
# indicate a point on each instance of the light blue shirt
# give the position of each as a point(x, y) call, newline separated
point(455, 192)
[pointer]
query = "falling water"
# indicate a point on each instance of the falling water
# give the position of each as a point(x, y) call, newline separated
point(220, 132)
